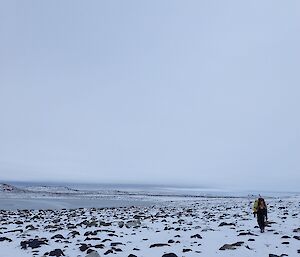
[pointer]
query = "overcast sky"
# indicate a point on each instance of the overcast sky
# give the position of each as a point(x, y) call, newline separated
point(184, 92)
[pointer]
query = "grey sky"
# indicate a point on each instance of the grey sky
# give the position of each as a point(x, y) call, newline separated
point(191, 92)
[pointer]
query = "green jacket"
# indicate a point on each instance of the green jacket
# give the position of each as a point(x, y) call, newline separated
point(255, 206)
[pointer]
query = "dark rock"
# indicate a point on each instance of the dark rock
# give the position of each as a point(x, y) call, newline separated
point(240, 243)
point(169, 255)
point(108, 252)
point(226, 224)
point(90, 233)
point(196, 236)
point(57, 253)
point(5, 239)
point(246, 234)
point(73, 234)
point(93, 254)
point(117, 249)
point(59, 236)
point(105, 224)
point(296, 230)
point(100, 246)
point(231, 246)
point(83, 247)
point(227, 247)
point(30, 227)
point(15, 230)
point(92, 238)
point(158, 245)
point(33, 243)
point(121, 224)
point(112, 235)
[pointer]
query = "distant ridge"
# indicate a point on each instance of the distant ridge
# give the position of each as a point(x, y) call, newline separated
point(9, 188)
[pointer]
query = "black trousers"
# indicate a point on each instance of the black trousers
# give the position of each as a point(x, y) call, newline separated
point(261, 217)
point(261, 220)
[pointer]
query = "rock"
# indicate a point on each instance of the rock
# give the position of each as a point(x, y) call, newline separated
point(92, 238)
point(121, 224)
point(93, 254)
point(240, 243)
point(187, 250)
point(57, 253)
point(108, 252)
point(132, 223)
point(296, 230)
point(246, 234)
point(132, 255)
point(100, 246)
point(83, 247)
point(116, 243)
point(59, 236)
point(169, 255)
point(30, 227)
point(231, 246)
point(227, 247)
point(5, 239)
point(73, 234)
point(117, 249)
point(196, 236)
point(158, 245)
point(91, 233)
point(105, 224)
point(226, 224)
point(33, 243)
point(296, 237)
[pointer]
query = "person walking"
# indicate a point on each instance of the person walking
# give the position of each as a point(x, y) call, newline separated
point(260, 210)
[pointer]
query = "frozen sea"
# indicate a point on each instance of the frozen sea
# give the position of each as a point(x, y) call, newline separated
point(33, 195)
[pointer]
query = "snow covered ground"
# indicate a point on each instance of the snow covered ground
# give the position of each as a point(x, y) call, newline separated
point(185, 226)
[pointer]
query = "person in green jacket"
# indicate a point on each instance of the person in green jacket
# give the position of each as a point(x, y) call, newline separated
point(260, 210)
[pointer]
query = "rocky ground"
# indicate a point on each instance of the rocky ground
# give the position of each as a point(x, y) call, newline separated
point(203, 227)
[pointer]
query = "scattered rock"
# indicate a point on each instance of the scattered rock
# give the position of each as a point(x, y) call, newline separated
point(33, 243)
point(196, 236)
point(169, 255)
point(5, 239)
point(93, 254)
point(231, 246)
point(158, 245)
point(57, 253)
point(226, 224)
